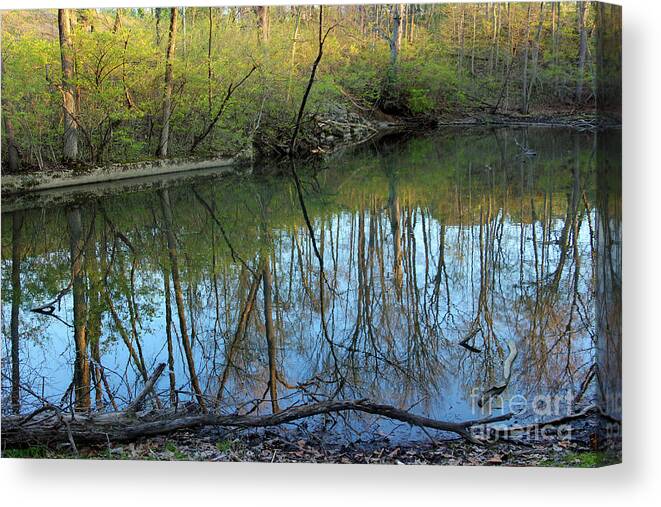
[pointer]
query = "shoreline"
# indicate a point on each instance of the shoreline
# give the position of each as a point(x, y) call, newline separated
point(299, 445)
point(51, 179)
point(86, 178)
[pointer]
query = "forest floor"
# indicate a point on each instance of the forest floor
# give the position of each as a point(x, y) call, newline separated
point(300, 446)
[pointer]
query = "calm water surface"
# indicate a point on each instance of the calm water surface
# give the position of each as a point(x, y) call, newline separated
point(425, 242)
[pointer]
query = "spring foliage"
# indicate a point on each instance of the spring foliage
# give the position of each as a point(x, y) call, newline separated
point(451, 60)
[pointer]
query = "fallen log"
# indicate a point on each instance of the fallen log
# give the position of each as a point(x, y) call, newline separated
point(139, 400)
point(21, 431)
point(41, 427)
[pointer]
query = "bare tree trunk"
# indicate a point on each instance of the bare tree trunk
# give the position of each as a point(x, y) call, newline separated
point(16, 293)
point(81, 366)
point(117, 427)
point(293, 54)
point(209, 72)
point(512, 52)
point(582, 48)
point(473, 40)
point(13, 158)
point(361, 14)
point(526, 49)
point(494, 38)
point(263, 22)
point(401, 8)
point(69, 104)
point(535, 53)
point(396, 37)
point(313, 73)
point(462, 39)
point(157, 13)
point(162, 151)
point(395, 41)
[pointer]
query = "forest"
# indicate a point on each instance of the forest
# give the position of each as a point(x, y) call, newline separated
point(383, 233)
point(97, 86)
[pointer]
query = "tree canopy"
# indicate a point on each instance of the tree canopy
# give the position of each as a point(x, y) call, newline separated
point(396, 60)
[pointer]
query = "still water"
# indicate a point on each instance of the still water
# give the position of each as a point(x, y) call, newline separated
point(426, 242)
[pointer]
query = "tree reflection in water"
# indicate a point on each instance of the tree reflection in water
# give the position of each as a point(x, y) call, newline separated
point(426, 243)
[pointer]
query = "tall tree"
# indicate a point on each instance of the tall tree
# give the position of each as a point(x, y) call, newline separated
point(209, 70)
point(535, 53)
point(524, 80)
point(395, 43)
point(157, 15)
point(263, 22)
point(401, 17)
point(582, 48)
point(13, 156)
point(396, 37)
point(68, 89)
point(166, 112)
point(609, 61)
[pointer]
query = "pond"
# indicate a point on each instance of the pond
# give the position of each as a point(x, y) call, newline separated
point(433, 259)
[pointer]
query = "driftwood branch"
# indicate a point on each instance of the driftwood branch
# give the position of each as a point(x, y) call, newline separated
point(124, 426)
point(498, 387)
point(86, 428)
point(139, 400)
point(39, 428)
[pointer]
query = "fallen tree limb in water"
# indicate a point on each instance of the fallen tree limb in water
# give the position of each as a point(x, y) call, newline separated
point(40, 428)
point(499, 387)
point(20, 431)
